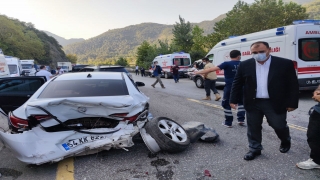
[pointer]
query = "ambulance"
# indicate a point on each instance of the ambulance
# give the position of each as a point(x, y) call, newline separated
point(4, 69)
point(183, 60)
point(299, 42)
point(14, 65)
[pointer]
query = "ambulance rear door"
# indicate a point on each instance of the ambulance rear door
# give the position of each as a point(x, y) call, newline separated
point(307, 56)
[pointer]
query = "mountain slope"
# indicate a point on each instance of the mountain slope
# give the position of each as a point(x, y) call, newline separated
point(124, 41)
point(62, 41)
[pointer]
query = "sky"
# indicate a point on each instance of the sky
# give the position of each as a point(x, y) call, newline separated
point(90, 18)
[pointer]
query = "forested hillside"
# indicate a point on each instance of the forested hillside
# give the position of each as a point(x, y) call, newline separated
point(22, 40)
point(299, 1)
point(313, 9)
point(62, 41)
point(123, 42)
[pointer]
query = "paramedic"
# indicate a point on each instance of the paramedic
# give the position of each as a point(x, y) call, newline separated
point(230, 69)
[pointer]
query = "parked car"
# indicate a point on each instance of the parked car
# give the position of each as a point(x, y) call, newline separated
point(106, 68)
point(79, 114)
point(77, 68)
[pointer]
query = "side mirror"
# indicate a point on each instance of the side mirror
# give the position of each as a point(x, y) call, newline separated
point(139, 83)
point(23, 73)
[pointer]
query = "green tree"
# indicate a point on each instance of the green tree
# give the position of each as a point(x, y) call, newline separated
point(182, 35)
point(145, 54)
point(122, 61)
point(260, 15)
point(198, 48)
point(72, 58)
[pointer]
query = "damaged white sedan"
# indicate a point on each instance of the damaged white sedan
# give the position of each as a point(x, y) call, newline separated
point(83, 113)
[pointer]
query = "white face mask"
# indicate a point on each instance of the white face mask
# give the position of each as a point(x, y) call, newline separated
point(204, 63)
point(260, 56)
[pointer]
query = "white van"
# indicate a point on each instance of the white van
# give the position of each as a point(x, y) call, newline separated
point(4, 69)
point(14, 65)
point(65, 66)
point(299, 42)
point(183, 60)
point(28, 67)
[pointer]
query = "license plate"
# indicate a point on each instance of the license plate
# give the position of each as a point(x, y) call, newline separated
point(72, 143)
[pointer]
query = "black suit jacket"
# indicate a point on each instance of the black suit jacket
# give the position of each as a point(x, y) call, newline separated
point(283, 87)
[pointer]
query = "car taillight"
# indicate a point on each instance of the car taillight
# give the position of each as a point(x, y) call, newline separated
point(123, 115)
point(132, 118)
point(17, 122)
point(119, 115)
point(41, 117)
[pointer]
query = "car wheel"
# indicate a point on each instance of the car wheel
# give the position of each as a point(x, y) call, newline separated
point(169, 135)
point(166, 75)
point(199, 82)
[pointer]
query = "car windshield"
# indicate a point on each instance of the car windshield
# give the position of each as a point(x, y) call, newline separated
point(27, 66)
point(85, 88)
point(182, 61)
point(64, 67)
point(13, 69)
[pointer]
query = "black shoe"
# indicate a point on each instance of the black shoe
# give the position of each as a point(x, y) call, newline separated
point(285, 147)
point(251, 155)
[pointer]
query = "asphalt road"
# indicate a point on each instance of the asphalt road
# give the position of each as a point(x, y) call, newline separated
point(224, 159)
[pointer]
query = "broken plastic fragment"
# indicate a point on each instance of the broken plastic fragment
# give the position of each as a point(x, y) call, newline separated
point(207, 173)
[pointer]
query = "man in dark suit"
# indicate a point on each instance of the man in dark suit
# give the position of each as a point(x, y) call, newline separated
point(271, 89)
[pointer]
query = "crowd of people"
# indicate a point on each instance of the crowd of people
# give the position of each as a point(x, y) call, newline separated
point(263, 86)
point(44, 72)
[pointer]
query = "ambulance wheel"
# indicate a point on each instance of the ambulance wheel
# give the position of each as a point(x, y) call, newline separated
point(199, 82)
point(169, 135)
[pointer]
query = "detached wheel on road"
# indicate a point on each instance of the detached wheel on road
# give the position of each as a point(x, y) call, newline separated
point(199, 82)
point(169, 135)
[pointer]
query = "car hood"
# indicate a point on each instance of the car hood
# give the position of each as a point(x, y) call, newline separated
point(73, 108)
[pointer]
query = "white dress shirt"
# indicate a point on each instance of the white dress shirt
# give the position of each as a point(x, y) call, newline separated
point(45, 73)
point(262, 72)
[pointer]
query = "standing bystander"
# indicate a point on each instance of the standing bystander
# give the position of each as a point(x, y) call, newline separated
point(137, 70)
point(142, 71)
point(175, 72)
point(210, 81)
point(44, 72)
point(270, 88)
point(313, 135)
point(59, 70)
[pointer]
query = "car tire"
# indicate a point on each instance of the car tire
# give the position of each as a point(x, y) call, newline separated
point(166, 75)
point(199, 82)
point(169, 135)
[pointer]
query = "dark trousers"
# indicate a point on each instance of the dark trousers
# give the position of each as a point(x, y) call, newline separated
point(313, 135)
point(210, 84)
point(227, 108)
point(276, 120)
point(137, 72)
point(175, 77)
point(143, 73)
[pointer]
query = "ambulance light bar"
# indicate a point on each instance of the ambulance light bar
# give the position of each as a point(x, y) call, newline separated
point(280, 33)
point(280, 29)
point(307, 21)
